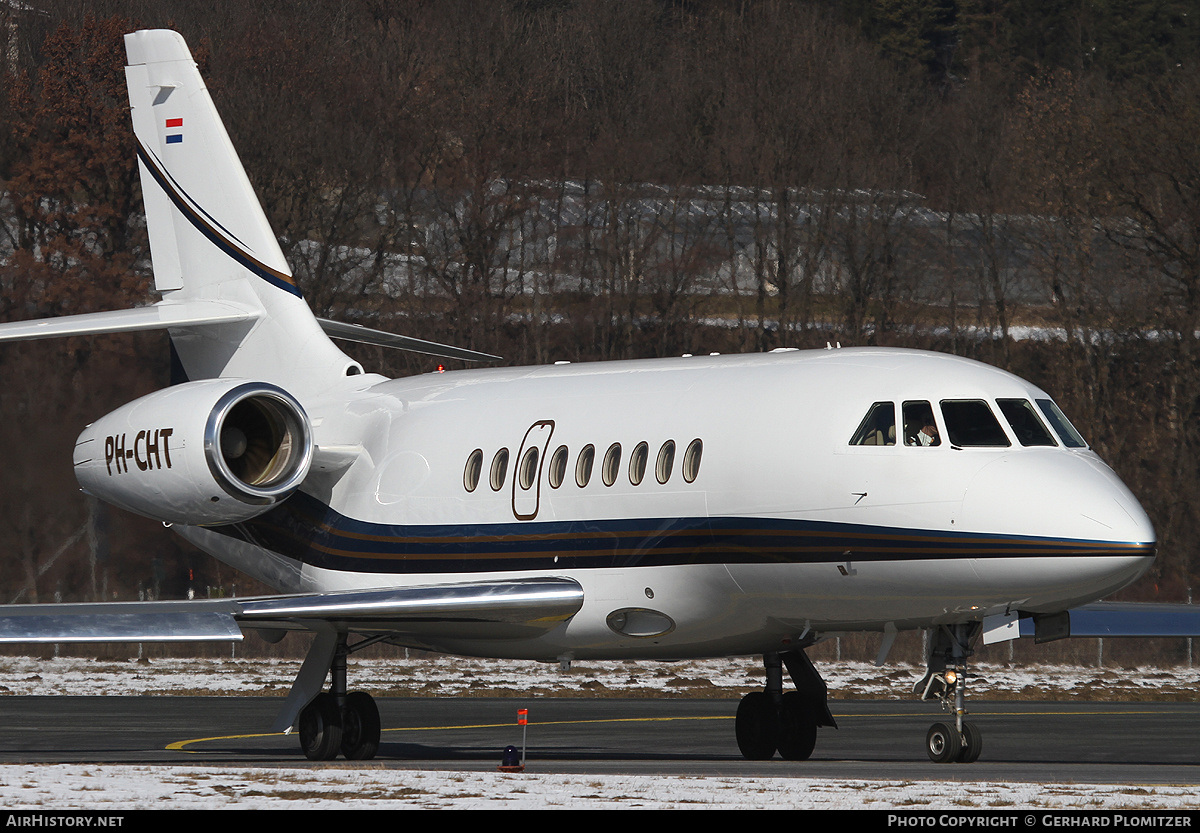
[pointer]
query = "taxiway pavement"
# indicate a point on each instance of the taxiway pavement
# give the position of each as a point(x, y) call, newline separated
point(1128, 743)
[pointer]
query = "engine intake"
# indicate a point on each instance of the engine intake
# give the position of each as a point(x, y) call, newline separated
point(212, 452)
point(258, 443)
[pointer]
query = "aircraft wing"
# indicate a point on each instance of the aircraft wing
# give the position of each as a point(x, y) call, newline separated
point(1101, 619)
point(1133, 619)
point(480, 610)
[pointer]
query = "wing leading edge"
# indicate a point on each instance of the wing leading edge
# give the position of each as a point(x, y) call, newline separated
point(510, 609)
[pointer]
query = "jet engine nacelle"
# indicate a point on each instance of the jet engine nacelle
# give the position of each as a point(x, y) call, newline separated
point(211, 452)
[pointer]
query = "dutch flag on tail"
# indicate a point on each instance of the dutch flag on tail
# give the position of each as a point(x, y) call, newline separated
point(175, 138)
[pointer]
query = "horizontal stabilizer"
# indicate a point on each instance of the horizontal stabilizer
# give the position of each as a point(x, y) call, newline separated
point(365, 335)
point(481, 610)
point(160, 316)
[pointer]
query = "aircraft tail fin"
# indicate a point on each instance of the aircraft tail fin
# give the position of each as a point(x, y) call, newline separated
point(197, 196)
point(209, 237)
point(230, 303)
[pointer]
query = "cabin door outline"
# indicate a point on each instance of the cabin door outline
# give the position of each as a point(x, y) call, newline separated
point(526, 500)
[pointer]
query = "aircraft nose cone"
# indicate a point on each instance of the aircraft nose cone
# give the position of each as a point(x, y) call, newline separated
point(1074, 504)
point(1055, 494)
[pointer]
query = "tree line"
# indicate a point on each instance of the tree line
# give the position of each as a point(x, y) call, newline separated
point(559, 179)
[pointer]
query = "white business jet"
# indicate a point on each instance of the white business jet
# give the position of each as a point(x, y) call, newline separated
point(662, 509)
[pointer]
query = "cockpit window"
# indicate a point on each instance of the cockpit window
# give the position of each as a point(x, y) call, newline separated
point(1024, 421)
point(970, 423)
point(920, 428)
point(1062, 426)
point(878, 426)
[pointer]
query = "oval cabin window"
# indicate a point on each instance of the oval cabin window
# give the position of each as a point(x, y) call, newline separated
point(612, 464)
point(558, 466)
point(665, 462)
point(529, 468)
point(583, 466)
point(637, 463)
point(691, 460)
point(473, 469)
point(499, 470)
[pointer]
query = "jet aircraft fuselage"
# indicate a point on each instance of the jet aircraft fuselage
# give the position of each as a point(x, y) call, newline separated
point(707, 505)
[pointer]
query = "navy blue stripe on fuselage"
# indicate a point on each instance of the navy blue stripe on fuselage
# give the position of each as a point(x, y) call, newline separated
point(307, 530)
point(207, 226)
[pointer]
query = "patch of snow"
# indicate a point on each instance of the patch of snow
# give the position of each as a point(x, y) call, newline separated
point(444, 676)
point(95, 787)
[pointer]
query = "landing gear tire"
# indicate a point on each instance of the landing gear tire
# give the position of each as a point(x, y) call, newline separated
point(972, 744)
point(797, 727)
point(757, 727)
point(360, 727)
point(942, 743)
point(321, 728)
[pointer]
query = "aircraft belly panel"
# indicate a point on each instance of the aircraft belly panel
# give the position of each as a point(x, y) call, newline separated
point(870, 594)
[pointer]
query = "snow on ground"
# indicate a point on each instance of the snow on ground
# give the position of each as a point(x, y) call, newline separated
point(250, 788)
point(442, 676)
point(61, 787)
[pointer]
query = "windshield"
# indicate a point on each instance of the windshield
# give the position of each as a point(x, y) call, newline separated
point(971, 423)
point(1024, 421)
point(1062, 426)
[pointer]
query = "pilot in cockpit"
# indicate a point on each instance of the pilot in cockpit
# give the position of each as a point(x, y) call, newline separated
point(920, 427)
point(928, 435)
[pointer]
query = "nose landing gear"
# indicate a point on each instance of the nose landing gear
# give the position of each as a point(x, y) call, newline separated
point(946, 681)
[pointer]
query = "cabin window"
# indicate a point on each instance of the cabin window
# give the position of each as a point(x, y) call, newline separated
point(612, 464)
point(558, 466)
point(637, 463)
point(583, 466)
point(499, 470)
point(878, 426)
point(920, 428)
point(970, 423)
point(665, 462)
point(691, 460)
point(473, 469)
point(1023, 420)
point(529, 468)
point(1062, 426)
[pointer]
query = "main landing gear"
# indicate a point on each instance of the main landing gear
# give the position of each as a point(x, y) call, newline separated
point(770, 720)
point(336, 721)
point(946, 680)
